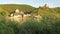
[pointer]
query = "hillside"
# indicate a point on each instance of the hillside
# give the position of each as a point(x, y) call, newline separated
point(13, 7)
point(43, 11)
point(48, 12)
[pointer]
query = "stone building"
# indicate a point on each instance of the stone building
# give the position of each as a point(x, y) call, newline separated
point(20, 16)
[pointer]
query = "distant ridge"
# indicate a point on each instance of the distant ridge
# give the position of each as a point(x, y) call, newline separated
point(13, 7)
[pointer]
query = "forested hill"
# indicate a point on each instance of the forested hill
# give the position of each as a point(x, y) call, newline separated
point(13, 7)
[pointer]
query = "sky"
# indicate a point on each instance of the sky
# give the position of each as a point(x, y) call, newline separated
point(34, 3)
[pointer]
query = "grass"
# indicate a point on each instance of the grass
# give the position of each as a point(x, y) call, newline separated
point(30, 27)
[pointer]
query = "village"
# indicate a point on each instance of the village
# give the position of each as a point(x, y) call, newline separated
point(20, 16)
point(23, 16)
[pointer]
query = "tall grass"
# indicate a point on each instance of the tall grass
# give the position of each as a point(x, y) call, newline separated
point(46, 26)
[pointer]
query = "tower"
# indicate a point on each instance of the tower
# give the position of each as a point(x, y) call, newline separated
point(45, 6)
point(17, 10)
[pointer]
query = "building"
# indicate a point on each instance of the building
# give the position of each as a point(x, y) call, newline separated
point(46, 6)
point(20, 16)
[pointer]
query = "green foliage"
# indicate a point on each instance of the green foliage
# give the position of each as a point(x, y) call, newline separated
point(46, 26)
point(7, 26)
point(4, 13)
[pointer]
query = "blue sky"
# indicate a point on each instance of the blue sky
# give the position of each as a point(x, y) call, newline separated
point(35, 3)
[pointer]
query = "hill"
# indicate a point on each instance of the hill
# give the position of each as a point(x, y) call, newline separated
point(48, 12)
point(13, 7)
point(43, 11)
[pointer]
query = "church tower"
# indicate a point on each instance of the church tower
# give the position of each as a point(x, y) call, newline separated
point(45, 6)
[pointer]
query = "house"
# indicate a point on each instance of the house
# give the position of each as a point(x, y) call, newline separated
point(20, 16)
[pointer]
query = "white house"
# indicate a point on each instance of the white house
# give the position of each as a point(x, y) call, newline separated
point(19, 16)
